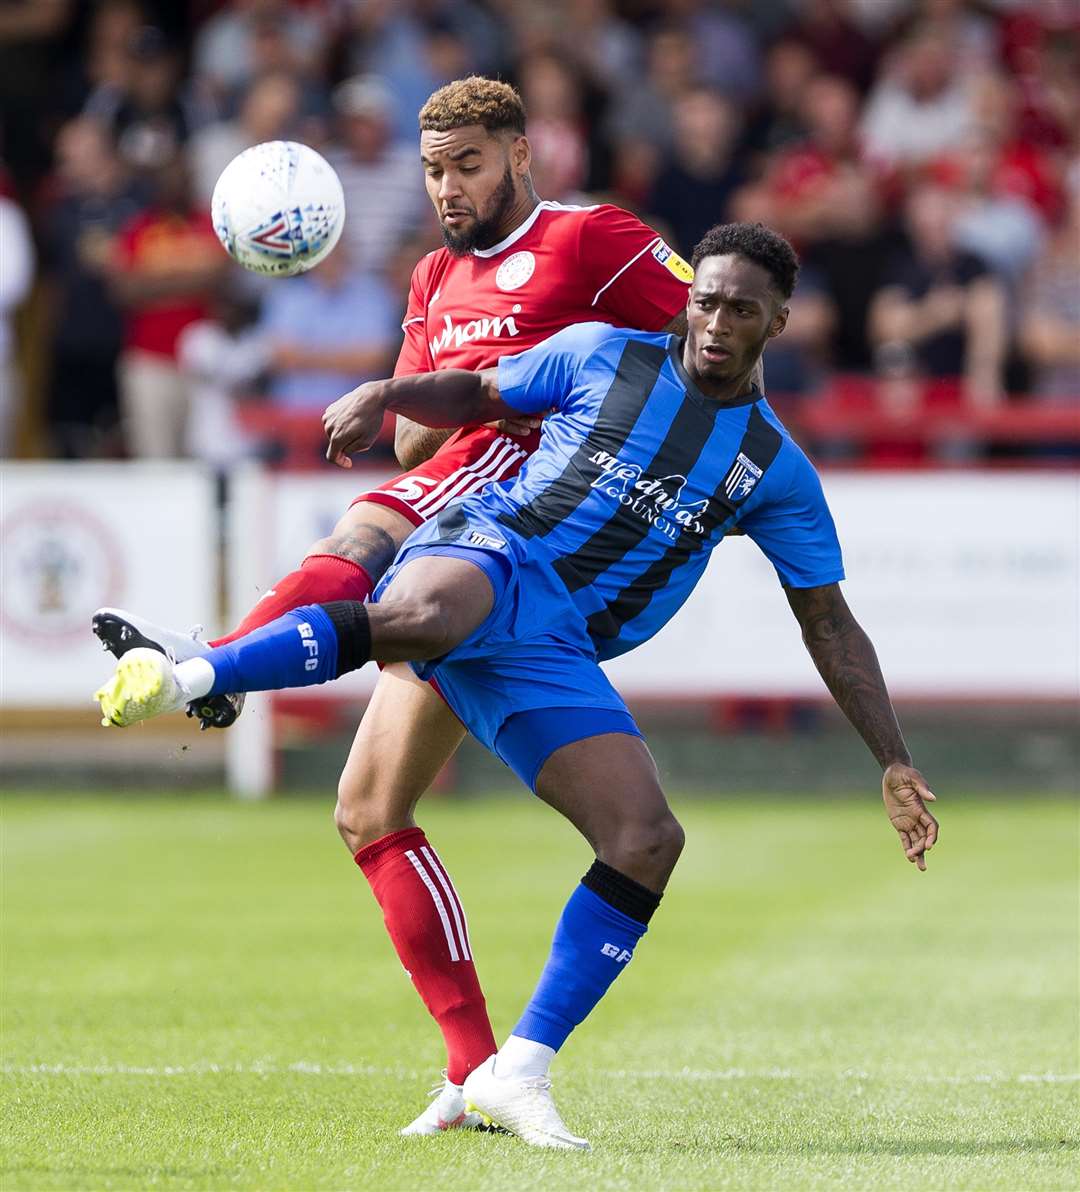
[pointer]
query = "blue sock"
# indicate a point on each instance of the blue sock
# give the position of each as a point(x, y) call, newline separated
point(593, 943)
point(299, 649)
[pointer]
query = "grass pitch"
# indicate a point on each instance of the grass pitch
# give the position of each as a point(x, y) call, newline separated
point(199, 994)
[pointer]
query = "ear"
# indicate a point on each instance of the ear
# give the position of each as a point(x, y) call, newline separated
point(521, 155)
point(779, 322)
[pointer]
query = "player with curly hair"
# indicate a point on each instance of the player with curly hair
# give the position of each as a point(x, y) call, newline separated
point(513, 271)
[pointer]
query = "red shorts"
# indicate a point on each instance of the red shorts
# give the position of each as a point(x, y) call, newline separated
point(464, 464)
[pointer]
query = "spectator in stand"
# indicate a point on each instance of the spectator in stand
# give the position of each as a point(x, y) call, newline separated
point(1022, 169)
point(167, 265)
point(828, 28)
point(153, 116)
point(940, 313)
point(1050, 327)
point(553, 98)
point(96, 199)
point(30, 31)
point(922, 107)
point(727, 51)
point(695, 185)
point(609, 49)
point(1004, 231)
point(410, 52)
point(227, 55)
point(819, 185)
point(223, 357)
point(789, 68)
point(823, 194)
point(268, 112)
point(327, 331)
point(16, 278)
point(639, 122)
point(385, 200)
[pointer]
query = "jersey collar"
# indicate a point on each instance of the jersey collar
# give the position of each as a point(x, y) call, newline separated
point(675, 351)
point(521, 229)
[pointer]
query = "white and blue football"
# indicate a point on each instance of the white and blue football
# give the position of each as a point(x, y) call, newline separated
point(278, 208)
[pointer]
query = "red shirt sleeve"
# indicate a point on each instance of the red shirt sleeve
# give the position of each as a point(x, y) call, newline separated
point(415, 355)
point(640, 281)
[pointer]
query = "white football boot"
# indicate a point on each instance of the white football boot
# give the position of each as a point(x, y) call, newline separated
point(143, 685)
point(120, 631)
point(522, 1106)
point(446, 1112)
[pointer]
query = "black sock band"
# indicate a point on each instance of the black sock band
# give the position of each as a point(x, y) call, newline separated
point(624, 894)
point(350, 619)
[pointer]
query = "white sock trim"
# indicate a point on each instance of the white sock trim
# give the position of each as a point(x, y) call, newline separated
point(520, 1058)
point(196, 676)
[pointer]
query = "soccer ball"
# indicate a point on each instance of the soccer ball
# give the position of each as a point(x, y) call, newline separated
point(278, 208)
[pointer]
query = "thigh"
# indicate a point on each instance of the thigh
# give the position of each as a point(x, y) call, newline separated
point(405, 738)
point(608, 788)
point(431, 604)
point(599, 782)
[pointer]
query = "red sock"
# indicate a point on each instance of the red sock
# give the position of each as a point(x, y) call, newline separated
point(427, 925)
point(319, 578)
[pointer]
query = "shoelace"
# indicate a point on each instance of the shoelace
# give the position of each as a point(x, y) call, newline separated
point(437, 1090)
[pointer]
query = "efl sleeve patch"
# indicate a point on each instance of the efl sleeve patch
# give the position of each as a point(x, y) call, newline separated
point(672, 262)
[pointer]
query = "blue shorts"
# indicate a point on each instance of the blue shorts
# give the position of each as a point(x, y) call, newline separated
point(531, 654)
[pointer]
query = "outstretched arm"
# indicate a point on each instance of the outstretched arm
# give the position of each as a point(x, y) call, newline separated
point(447, 398)
point(846, 660)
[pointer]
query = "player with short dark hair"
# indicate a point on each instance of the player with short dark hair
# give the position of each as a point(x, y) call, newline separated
point(514, 270)
point(656, 447)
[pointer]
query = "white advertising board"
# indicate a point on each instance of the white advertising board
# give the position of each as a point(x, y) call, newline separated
point(74, 537)
point(968, 585)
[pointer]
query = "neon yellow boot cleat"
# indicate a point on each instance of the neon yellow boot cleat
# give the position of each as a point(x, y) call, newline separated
point(142, 686)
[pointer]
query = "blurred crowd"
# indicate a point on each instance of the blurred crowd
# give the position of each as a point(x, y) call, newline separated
point(923, 156)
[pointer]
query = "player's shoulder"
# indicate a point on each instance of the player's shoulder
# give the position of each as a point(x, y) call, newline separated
point(430, 268)
point(574, 220)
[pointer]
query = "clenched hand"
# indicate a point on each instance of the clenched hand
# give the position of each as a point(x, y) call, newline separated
point(353, 422)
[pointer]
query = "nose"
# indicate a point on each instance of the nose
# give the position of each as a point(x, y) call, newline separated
point(448, 188)
point(718, 325)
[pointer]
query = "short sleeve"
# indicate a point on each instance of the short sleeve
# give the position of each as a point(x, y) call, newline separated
point(796, 531)
point(541, 378)
point(640, 281)
point(415, 355)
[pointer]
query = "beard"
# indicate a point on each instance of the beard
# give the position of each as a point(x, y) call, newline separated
point(487, 224)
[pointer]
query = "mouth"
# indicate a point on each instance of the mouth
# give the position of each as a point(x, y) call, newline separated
point(455, 218)
point(715, 354)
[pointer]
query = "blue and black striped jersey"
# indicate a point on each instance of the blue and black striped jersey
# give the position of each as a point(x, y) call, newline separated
point(639, 475)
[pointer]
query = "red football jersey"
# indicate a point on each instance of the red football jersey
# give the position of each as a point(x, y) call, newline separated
point(563, 265)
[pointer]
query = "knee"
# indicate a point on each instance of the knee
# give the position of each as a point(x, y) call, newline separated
point(360, 816)
point(645, 849)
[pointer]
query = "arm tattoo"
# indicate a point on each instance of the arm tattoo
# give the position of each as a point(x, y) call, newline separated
point(845, 659)
point(413, 443)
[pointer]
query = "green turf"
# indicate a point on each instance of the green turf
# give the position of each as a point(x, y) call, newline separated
point(199, 994)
